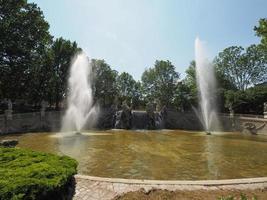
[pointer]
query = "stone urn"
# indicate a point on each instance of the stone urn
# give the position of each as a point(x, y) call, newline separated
point(8, 143)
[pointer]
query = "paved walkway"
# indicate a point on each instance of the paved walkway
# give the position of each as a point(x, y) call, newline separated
point(95, 188)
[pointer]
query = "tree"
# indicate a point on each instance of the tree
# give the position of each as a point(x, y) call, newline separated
point(62, 52)
point(186, 92)
point(242, 68)
point(248, 101)
point(137, 96)
point(183, 98)
point(105, 88)
point(190, 79)
point(24, 38)
point(129, 90)
point(188, 87)
point(233, 99)
point(41, 81)
point(159, 82)
point(261, 31)
point(125, 84)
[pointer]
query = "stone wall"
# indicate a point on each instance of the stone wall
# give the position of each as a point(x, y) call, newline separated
point(182, 120)
point(30, 122)
point(251, 125)
point(51, 121)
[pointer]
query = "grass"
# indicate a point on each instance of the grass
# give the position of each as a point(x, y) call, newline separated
point(26, 174)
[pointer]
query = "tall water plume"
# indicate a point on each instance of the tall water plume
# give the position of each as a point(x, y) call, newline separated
point(206, 84)
point(81, 112)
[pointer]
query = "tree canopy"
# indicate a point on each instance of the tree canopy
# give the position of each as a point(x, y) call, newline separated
point(34, 66)
point(104, 80)
point(159, 82)
point(261, 31)
point(243, 68)
point(128, 89)
point(62, 52)
point(24, 37)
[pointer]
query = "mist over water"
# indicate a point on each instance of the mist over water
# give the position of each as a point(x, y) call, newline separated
point(81, 112)
point(206, 83)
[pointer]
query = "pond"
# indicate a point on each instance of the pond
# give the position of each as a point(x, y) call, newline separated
point(158, 155)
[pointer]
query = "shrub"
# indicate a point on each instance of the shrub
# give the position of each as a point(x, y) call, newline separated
point(26, 174)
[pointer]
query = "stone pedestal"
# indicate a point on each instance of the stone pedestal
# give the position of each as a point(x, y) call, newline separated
point(265, 110)
point(42, 113)
point(150, 110)
point(43, 108)
point(8, 114)
point(232, 114)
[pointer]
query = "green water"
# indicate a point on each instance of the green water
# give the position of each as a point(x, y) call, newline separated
point(165, 155)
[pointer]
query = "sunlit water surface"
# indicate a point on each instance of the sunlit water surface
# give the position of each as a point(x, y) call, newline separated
point(166, 154)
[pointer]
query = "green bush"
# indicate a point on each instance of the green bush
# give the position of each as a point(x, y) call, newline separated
point(25, 174)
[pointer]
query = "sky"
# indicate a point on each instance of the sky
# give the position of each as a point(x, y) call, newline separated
point(130, 35)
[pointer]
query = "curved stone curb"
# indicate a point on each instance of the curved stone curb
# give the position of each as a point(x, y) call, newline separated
point(178, 182)
point(98, 188)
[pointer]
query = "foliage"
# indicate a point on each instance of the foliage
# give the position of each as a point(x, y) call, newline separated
point(184, 97)
point(242, 68)
point(26, 174)
point(125, 84)
point(61, 53)
point(105, 88)
point(160, 82)
point(191, 91)
point(24, 37)
point(137, 96)
point(128, 89)
point(261, 31)
point(35, 67)
point(248, 101)
point(190, 79)
point(190, 83)
point(234, 99)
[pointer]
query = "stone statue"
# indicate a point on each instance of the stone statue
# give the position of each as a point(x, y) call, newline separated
point(125, 116)
point(150, 110)
point(8, 112)
point(265, 110)
point(43, 107)
point(251, 127)
point(9, 104)
point(231, 111)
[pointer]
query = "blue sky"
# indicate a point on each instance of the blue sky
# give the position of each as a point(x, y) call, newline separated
point(131, 34)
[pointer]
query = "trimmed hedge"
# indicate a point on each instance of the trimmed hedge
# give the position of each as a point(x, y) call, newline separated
point(26, 174)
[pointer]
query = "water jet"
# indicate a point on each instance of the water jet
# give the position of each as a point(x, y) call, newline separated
point(206, 84)
point(81, 110)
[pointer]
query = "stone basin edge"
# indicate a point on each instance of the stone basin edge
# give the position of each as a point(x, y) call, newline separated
point(256, 180)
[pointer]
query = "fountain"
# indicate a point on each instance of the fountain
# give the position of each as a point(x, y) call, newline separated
point(206, 84)
point(81, 110)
